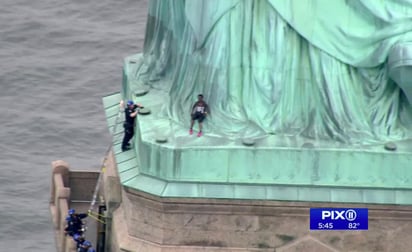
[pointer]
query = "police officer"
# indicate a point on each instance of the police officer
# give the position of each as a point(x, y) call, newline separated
point(130, 114)
point(79, 239)
point(74, 222)
point(86, 247)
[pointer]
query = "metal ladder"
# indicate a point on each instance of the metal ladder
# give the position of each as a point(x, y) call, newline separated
point(103, 164)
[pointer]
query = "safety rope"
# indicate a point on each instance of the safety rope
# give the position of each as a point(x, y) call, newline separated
point(96, 216)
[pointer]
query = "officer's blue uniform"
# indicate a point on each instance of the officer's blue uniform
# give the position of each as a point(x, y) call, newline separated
point(86, 247)
point(128, 124)
point(79, 241)
point(74, 223)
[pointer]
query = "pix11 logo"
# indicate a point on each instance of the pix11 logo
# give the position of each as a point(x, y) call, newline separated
point(338, 218)
point(349, 215)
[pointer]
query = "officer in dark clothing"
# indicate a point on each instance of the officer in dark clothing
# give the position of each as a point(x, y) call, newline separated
point(130, 114)
point(86, 247)
point(79, 239)
point(74, 223)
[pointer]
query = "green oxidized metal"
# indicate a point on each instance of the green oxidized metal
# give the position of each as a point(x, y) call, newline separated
point(319, 87)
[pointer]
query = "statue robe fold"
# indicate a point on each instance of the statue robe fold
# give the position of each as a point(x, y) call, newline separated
point(312, 68)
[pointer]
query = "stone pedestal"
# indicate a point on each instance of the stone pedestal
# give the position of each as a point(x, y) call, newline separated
point(144, 222)
point(216, 193)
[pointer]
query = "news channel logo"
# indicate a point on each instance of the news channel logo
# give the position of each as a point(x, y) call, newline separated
point(339, 219)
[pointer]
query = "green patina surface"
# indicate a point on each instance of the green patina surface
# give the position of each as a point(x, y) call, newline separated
point(213, 167)
point(319, 86)
point(326, 70)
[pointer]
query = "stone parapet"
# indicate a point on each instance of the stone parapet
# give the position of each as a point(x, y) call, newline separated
point(68, 187)
point(59, 202)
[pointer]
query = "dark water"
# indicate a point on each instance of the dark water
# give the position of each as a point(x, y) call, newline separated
point(57, 59)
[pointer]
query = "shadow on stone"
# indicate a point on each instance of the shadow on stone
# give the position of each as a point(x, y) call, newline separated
point(205, 243)
point(285, 238)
